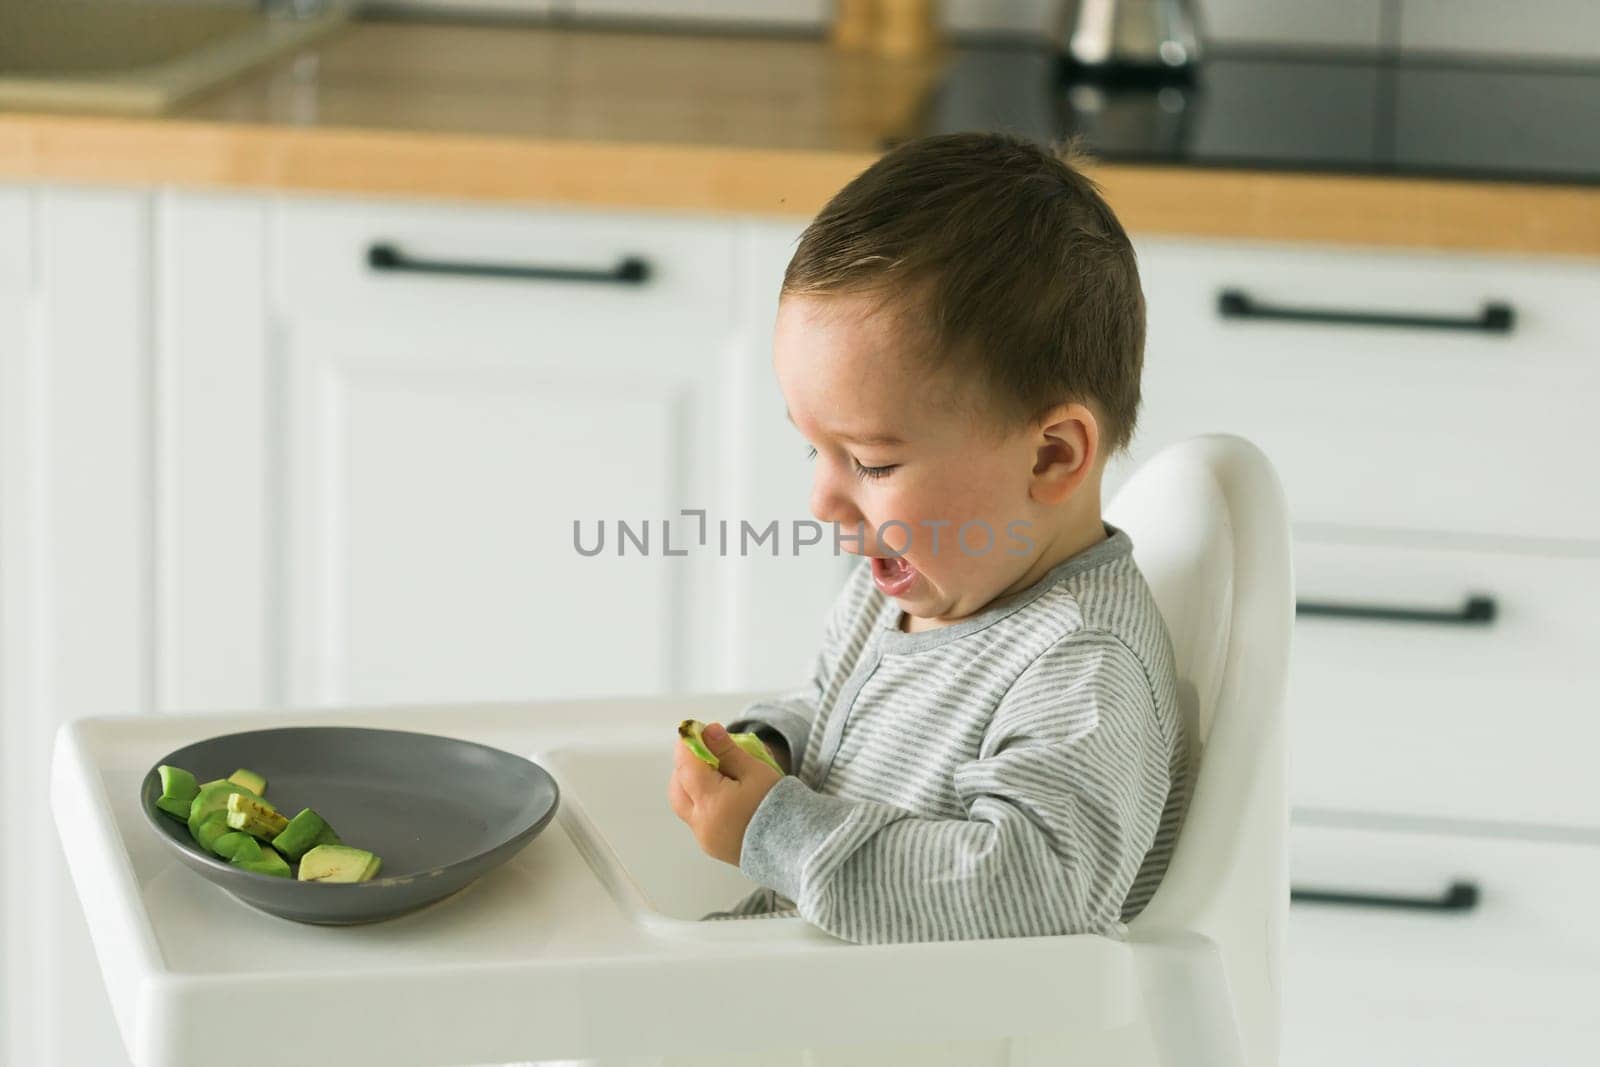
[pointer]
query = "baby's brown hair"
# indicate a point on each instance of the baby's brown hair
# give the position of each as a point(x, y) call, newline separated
point(1007, 257)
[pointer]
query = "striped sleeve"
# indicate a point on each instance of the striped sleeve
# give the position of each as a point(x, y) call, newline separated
point(1062, 803)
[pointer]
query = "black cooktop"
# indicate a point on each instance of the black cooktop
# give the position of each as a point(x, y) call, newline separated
point(1375, 114)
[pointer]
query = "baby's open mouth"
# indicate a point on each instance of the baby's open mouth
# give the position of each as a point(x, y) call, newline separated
point(893, 576)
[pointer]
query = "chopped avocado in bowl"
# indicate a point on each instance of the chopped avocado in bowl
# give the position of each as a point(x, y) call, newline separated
point(387, 820)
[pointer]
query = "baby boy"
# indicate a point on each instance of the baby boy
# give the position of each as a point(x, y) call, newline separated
point(989, 744)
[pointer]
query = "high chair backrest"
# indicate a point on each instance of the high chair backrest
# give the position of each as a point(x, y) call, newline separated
point(1211, 535)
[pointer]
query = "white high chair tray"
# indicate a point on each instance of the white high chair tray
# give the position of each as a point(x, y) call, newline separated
point(585, 944)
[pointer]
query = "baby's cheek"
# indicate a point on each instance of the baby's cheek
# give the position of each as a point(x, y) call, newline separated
point(893, 525)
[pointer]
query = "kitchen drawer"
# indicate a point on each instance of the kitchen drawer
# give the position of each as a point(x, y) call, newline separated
point(518, 268)
point(1505, 973)
point(1451, 714)
point(1416, 428)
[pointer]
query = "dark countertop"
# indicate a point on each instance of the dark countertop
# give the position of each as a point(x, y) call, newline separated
point(1265, 147)
point(1309, 112)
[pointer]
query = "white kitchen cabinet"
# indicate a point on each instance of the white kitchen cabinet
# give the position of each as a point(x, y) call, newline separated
point(1457, 427)
point(1470, 950)
point(370, 476)
point(1469, 705)
point(218, 574)
point(1446, 559)
point(433, 481)
point(442, 433)
point(444, 427)
point(77, 634)
point(16, 293)
point(777, 604)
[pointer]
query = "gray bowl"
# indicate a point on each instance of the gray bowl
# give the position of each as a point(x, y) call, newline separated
point(437, 811)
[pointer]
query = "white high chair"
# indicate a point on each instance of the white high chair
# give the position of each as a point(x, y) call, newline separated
point(1199, 973)
point(1210, 530)
point(588, 943)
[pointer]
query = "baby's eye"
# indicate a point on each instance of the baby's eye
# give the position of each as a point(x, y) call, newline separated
point(861, 472)
point(868, 473)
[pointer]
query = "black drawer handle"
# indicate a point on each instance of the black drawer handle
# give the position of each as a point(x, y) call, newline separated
point(1475, 611)
point(1460, 896)
point(1496, 317)
point(631, 270)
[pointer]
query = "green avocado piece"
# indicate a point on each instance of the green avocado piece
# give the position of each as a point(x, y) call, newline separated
point(255, 816)
point(305, 831)
point(338, 863)
point(213, 796)
point(250, 780)
point(252, 855)
point(691, 729)
point(210, 828)
point(227, 846)
point(753, 744)
point(178, 790)
point(273, 864)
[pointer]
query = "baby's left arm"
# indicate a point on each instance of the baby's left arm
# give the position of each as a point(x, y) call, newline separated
point(1062, 803)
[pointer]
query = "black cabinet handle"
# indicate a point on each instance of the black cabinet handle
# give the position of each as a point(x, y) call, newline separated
point(631, 270)
point(1459, 896)
point(1496, 317)
point(1475, 611)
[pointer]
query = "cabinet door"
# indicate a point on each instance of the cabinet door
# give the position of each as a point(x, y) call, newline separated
point(216, 575)
point(454, 430)
point(1431, 679)
point(16, 265)
point(1427, 947)
point(1378, 383)
point(75, 560)
point(779, 603)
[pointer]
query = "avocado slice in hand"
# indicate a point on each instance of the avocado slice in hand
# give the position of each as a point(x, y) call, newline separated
point(338, 863)
point(178, 790)
point(691, 729)
point(305, 831)
point(255, 817)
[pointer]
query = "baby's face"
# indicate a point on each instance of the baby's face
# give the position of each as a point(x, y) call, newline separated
point(889, 446)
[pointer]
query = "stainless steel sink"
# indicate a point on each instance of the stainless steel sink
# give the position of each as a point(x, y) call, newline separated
point(136, 56)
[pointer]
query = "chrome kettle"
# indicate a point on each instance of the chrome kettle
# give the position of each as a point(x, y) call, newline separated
point(1144, 39)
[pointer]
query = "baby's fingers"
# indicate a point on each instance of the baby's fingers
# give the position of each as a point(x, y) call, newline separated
point(692, 773)
point(682, 757)
point(682, 806)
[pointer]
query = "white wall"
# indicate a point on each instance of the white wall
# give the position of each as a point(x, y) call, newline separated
point(1545, 29)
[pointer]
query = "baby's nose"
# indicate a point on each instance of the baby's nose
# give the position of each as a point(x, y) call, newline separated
point(829, 505)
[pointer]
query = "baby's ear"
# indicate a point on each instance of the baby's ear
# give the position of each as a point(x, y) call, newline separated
point(1066, 452)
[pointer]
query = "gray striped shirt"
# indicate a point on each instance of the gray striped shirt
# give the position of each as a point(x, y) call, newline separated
point(1020, 772)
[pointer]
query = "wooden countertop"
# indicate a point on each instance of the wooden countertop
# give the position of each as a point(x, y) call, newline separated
point(701, 123)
